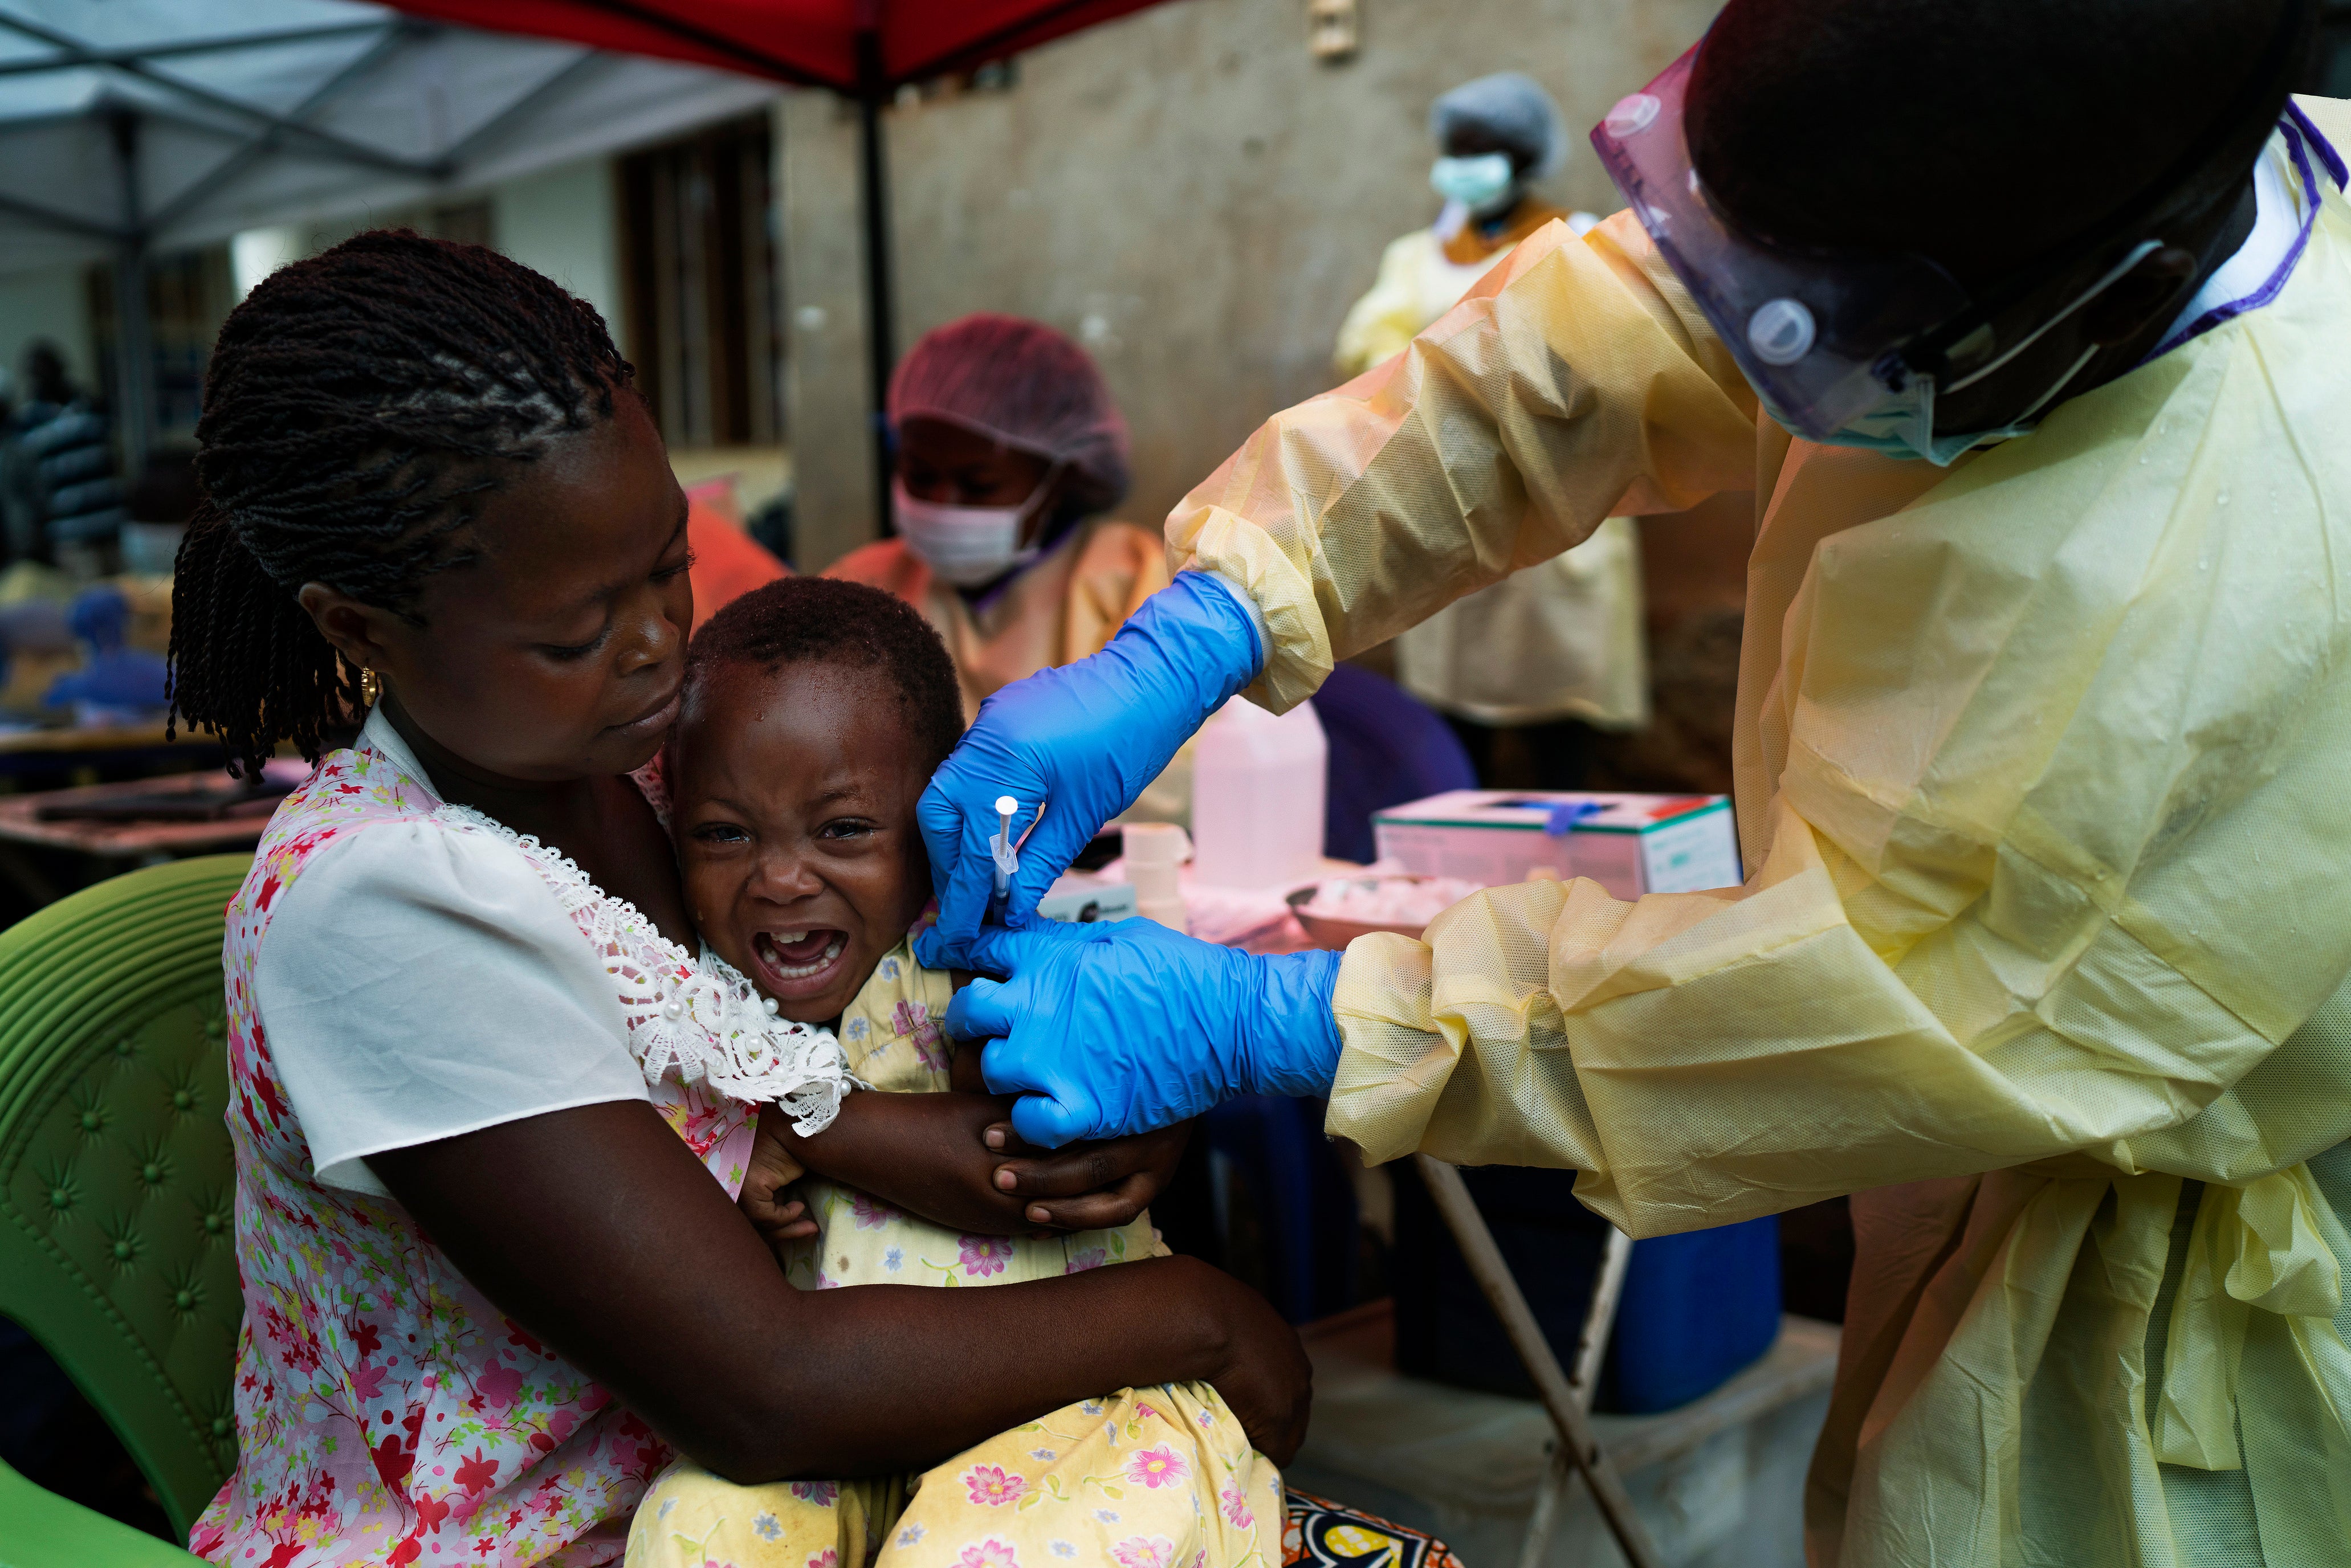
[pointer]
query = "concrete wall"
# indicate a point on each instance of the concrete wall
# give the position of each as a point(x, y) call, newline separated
point(51, 302)
point(1185, 192)
point(562, 222)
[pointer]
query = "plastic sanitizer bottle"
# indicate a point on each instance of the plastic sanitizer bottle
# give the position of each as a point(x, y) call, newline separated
point(1258, 784)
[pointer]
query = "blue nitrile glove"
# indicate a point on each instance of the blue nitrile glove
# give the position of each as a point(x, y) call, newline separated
point(1106, 1030)
point(1084, 739)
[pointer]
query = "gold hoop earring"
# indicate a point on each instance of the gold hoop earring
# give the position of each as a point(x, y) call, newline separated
point(370, 688)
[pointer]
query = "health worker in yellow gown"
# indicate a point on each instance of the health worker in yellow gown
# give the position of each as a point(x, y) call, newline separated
point(1554, 651)
point(2029, 327)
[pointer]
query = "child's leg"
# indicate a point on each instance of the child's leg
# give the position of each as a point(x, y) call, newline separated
point(1148, 1478)
point(691, 1518)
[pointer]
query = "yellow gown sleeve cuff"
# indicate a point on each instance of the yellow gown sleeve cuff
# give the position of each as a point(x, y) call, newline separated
point(1297, 644)
point(1394, 1058)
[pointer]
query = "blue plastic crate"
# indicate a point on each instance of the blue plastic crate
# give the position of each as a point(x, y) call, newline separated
point(1695, 1308)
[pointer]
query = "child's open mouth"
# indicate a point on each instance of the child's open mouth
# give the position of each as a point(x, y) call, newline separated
point(798, 963)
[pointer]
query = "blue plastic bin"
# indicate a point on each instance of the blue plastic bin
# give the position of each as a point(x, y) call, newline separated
point(1695, 1308)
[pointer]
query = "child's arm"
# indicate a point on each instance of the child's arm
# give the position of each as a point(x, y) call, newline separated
point(923, 1153)
point(962, 1068)
point(1085, 1187)
point(943, 1156)
point(598, 1230)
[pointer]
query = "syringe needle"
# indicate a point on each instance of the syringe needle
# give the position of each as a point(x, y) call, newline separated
point(1003, 851)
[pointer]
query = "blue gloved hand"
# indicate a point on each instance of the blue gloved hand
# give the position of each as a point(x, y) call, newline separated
point(1085, 740)
point(1106, 1030)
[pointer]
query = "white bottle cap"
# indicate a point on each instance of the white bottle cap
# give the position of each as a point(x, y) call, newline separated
point(1155, 844)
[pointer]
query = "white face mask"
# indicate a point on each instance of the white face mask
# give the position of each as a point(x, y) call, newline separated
point(968, 546)
point(1480, 183)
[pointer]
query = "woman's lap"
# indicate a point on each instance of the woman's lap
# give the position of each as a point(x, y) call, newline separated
point(1152, 1478)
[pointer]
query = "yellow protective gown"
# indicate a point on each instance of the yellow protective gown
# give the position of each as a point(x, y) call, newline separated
point(1422, 276)
point(2049, 906)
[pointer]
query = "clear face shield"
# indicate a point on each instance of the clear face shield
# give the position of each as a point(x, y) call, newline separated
point(1843, 347)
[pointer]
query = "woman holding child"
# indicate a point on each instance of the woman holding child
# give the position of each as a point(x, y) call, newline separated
point(493, 1100)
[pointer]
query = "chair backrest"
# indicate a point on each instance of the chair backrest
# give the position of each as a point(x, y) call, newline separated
point(116, 1231)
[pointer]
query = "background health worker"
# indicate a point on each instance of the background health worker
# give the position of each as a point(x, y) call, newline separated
point(1555, 650)
point(2040, 747)
point(1010, 453)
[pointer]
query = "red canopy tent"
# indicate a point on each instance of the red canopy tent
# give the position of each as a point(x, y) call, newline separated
point(857, 46)
point(865, 49)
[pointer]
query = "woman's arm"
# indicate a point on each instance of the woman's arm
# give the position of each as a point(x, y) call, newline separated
point(596, 1229)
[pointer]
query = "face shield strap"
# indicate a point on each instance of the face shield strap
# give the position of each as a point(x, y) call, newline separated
point(2112, 275)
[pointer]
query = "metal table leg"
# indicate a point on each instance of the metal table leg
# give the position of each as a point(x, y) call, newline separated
point(1567, 1400)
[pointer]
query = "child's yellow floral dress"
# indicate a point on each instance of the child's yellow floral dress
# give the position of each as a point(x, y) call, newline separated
point(1145, 1478)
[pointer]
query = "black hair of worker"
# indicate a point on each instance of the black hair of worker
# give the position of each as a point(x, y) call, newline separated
point(1985, 134)
point(824, 620)
point(359, 407)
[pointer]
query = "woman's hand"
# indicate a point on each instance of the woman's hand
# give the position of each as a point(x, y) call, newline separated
point(1262, 1372)
point(770, 1171)
point(1086, 1187)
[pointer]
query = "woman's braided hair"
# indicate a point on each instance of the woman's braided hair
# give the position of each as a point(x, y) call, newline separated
point(358, 406)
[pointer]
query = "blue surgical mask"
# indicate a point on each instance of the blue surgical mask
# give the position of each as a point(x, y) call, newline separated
point(1477, 184)
point(1903, 424)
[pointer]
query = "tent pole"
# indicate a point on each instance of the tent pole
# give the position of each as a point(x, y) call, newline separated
point(881, 329)
point(134, 354)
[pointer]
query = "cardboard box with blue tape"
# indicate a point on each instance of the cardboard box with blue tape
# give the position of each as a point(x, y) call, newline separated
point(1629, 844)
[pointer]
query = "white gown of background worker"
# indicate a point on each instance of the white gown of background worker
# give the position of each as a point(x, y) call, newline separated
point(1562, 639)
point(2040, 767)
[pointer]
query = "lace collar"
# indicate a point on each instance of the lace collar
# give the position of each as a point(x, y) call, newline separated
point(694, 1013)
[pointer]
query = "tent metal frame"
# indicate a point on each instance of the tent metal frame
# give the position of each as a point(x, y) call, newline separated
point(261, 131)
point(871, 92)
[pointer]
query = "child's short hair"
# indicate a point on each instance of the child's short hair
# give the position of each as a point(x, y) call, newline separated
point(824, 620)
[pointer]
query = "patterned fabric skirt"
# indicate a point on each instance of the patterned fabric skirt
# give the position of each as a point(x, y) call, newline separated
point(1152, 1478)
point(1147, 1478)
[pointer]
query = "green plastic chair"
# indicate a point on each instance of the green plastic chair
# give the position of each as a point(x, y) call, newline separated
point(116, 1246)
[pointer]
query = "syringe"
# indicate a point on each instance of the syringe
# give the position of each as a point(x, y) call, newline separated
point(1006, 852)
point(1006, 856)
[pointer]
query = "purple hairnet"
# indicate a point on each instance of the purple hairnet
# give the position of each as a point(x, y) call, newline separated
point(1025, 385)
